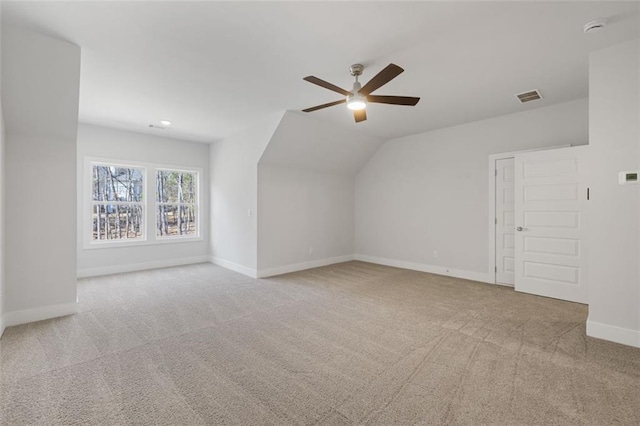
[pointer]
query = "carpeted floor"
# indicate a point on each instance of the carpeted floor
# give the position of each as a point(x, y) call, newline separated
point(349, 343)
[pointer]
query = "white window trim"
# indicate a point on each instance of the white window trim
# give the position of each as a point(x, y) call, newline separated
point(149, 205)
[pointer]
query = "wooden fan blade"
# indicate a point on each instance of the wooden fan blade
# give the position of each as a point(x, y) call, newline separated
point(326, 85)
point(383, 77)
point(315, 108)
point(360, 115)
point(393, 100)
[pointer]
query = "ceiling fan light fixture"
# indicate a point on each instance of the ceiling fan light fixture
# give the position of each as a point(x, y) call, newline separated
point(356, 103)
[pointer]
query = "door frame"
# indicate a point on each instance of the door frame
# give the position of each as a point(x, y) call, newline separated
point(492, 203)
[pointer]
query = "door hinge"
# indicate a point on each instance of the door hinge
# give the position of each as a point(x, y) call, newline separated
point(496, 220)
point(496, 172)
point(587, 194)
point(496, 269)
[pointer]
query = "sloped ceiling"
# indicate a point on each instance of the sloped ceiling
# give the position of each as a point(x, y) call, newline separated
point(215, 67)
point(40, 84)
point(304, 142)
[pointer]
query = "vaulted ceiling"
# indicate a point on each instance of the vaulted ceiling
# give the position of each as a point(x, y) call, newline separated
point(215, 67)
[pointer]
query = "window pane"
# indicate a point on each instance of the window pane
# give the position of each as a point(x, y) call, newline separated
point(176, 187)
point(117, 222)
point(112, 183)
point(176, 220)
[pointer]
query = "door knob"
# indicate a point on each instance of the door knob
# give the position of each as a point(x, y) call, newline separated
point(519, 228)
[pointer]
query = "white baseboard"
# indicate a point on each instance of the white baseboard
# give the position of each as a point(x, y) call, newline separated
point(118, 269)
point(233, 266)
point(2, 326)
point(279, 270)
point(625, 336)
point(422, 267)
point(38, 314)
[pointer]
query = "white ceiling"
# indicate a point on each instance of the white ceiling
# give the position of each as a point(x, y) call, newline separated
point(215, 67)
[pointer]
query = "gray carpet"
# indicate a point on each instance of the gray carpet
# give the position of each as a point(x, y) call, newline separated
point(349, 343)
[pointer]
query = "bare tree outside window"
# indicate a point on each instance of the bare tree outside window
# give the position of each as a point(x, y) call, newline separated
point(177, 203)
point(117, 202)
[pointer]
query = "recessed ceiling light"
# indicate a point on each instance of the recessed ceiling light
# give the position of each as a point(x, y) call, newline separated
point(165, 122)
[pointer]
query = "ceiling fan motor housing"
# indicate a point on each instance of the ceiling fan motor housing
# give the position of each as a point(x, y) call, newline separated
point(356, 100)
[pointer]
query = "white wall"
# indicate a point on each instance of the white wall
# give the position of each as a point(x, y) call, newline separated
point(306, 219)
point(102, 142)
point(40, 90)
point(233, 169)
point(2, 178)
point(429, 192)
point(614, 214)
point(306, 193)
point(2, 236)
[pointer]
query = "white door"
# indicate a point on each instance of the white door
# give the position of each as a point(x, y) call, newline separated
point(550, 224)
point(505, 225)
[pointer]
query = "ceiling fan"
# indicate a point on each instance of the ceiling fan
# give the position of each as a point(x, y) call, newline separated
point(359, 96)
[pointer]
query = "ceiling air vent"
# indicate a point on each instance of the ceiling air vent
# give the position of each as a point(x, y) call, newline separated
point(532, 95)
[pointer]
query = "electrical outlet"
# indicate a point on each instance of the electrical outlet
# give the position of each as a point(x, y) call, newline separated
point(435, 254)
point(310, 250)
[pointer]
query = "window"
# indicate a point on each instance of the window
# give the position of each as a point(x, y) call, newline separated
point(117, 207)
point(121, 209)
point(176, 203)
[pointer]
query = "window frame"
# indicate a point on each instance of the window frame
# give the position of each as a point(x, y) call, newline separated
point(149, 204)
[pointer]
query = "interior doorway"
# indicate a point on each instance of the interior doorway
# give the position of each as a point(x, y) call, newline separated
point(538, 223)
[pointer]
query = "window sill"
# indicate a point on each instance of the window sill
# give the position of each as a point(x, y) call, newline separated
point(138, 243)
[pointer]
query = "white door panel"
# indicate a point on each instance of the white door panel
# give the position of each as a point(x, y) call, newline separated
point(505, 221)
point(549, 218)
